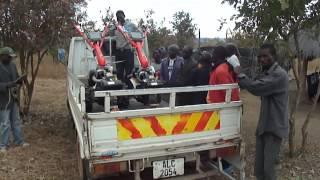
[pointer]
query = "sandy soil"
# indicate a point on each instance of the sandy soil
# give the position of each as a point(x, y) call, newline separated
point(52, 154)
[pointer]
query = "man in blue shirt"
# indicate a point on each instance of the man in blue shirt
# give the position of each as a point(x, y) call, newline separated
point(9, 109)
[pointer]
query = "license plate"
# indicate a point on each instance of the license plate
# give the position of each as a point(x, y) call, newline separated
point(168, 168)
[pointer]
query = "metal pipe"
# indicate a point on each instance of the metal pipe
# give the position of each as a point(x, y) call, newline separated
point(219, 168)
point(101, 61)
point(199, 41)
point(143, 60)
point(110, 48)
point(137, 170)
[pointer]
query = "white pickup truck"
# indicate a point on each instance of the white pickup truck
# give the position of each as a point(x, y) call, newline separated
point(176, 142)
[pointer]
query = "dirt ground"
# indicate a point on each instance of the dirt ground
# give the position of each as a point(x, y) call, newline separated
point(52, 154)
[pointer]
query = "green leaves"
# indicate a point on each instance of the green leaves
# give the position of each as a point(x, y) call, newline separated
point(184, 28)
point(284, 4)
point(38, 24)
point(284, 16)
point(159, 35)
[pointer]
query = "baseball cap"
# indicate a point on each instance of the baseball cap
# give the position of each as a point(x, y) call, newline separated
point(7, 51)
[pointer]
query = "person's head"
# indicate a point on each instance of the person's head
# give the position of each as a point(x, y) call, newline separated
point(120, 16)
point(267, 55)
point(156, 56)
point(205, 59)
point(187, 52)
point(163, 52)
point(173, 51)
point(219, 54)
point(232, 49)
point(6, 55)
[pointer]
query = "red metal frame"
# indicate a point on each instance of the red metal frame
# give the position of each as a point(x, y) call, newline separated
point(101, 60)
point(144, 62)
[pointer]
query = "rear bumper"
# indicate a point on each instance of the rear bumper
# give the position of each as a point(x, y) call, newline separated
point(191, 154)
point(160, 149)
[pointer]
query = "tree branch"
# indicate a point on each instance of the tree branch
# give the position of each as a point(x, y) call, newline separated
point(304, 129)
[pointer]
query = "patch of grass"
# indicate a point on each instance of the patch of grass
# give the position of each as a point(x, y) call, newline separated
point(49, 69)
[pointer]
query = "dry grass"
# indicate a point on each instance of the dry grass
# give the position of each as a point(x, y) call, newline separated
point(52, 154)
point(50, 69)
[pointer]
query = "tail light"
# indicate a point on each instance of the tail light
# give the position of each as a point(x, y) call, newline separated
point(100, 170)
point(227, 151)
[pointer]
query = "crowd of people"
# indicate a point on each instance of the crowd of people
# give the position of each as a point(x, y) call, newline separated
point(222, 66)
point(180, 68)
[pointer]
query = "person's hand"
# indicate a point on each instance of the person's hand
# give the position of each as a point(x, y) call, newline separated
point(237, 70)
point(21, 79)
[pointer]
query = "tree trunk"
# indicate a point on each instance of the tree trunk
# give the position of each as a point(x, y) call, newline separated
point(28, 88)
point(292, 119)
point(299, 65)
point(22, 58)
point(304, 129)
point(302, 69)
point(295, 72)
point(27, 99)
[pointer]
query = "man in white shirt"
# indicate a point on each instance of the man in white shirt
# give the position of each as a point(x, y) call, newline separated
point(124, 52)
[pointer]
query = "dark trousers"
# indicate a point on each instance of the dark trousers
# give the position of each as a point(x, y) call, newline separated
point(267, 155)
point(125, 64)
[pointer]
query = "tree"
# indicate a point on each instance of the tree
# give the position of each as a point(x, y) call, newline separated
point(205, 42)
point(89, 26)
point(309, 48)
point(32, 27)
point(158, 34)
point(184, 28)
point(242, 39)
point(108, 17)
point(148, 23)
point(280, 19)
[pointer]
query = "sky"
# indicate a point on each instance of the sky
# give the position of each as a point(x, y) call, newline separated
point(205, 13)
